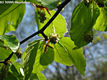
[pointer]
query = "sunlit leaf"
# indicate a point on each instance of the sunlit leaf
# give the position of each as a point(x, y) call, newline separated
point(66, 54)
point(9, 41)
point(101, 23)
point(37, 76)
point(58, 26)
point(8, 44)
point(10, 18)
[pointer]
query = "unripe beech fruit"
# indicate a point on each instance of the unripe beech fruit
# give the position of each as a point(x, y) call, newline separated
point(54, 38)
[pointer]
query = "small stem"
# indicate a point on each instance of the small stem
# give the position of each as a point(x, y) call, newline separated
point(46, 38)
point(1, 61)
point(8, 58)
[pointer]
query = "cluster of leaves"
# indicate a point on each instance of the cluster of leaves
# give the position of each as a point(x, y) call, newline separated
point(87, 15)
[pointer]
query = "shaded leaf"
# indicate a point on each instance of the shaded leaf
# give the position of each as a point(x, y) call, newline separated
point(7, 75)
point(33, 76)
point(29, 58)
point(51, 4)
point(47, 57)
point(82, 21)
point(4, 7)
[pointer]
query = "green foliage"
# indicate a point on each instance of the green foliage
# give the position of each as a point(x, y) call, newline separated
point(4, 53)
point(101, 24)
point(9, 41)
point(29, 59)
point(82, 21)
point(4, 7)
point(40, 53)
point(8, 44)
point(11, 17)
point(50, 4)
point(58, 26)
point(11, 72)
point(47, 57)
point(66, 54)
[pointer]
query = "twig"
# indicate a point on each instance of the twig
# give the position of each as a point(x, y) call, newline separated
point(60, 7)
point(46, 38)
point(8, 58)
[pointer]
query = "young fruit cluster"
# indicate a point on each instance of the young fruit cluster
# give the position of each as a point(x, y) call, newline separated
point(42, 16)
point(54, 38)
point(88, 37)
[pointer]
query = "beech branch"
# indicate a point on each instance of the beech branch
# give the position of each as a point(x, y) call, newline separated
point(41, 31)
point(60, 7)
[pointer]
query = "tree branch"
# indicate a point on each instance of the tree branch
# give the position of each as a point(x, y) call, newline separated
point(60, 7)
point(46, 38)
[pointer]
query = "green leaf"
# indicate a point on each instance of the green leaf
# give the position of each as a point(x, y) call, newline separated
point(9, 41)
point(10, 18)
point(10, 77)
point(29, 58)
point(7, 75)
point(82, 21)
point(4, 53)
point(4, 7)
point(58, 26)
point(50, 4)
point(8, 44)
point(33, 76)
point(37, 66)
point(101, 23)
point(41, 76)
point(37, 76)
point(67, 55)
point(11, 72)
point(15, 69)
point(47, 56)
